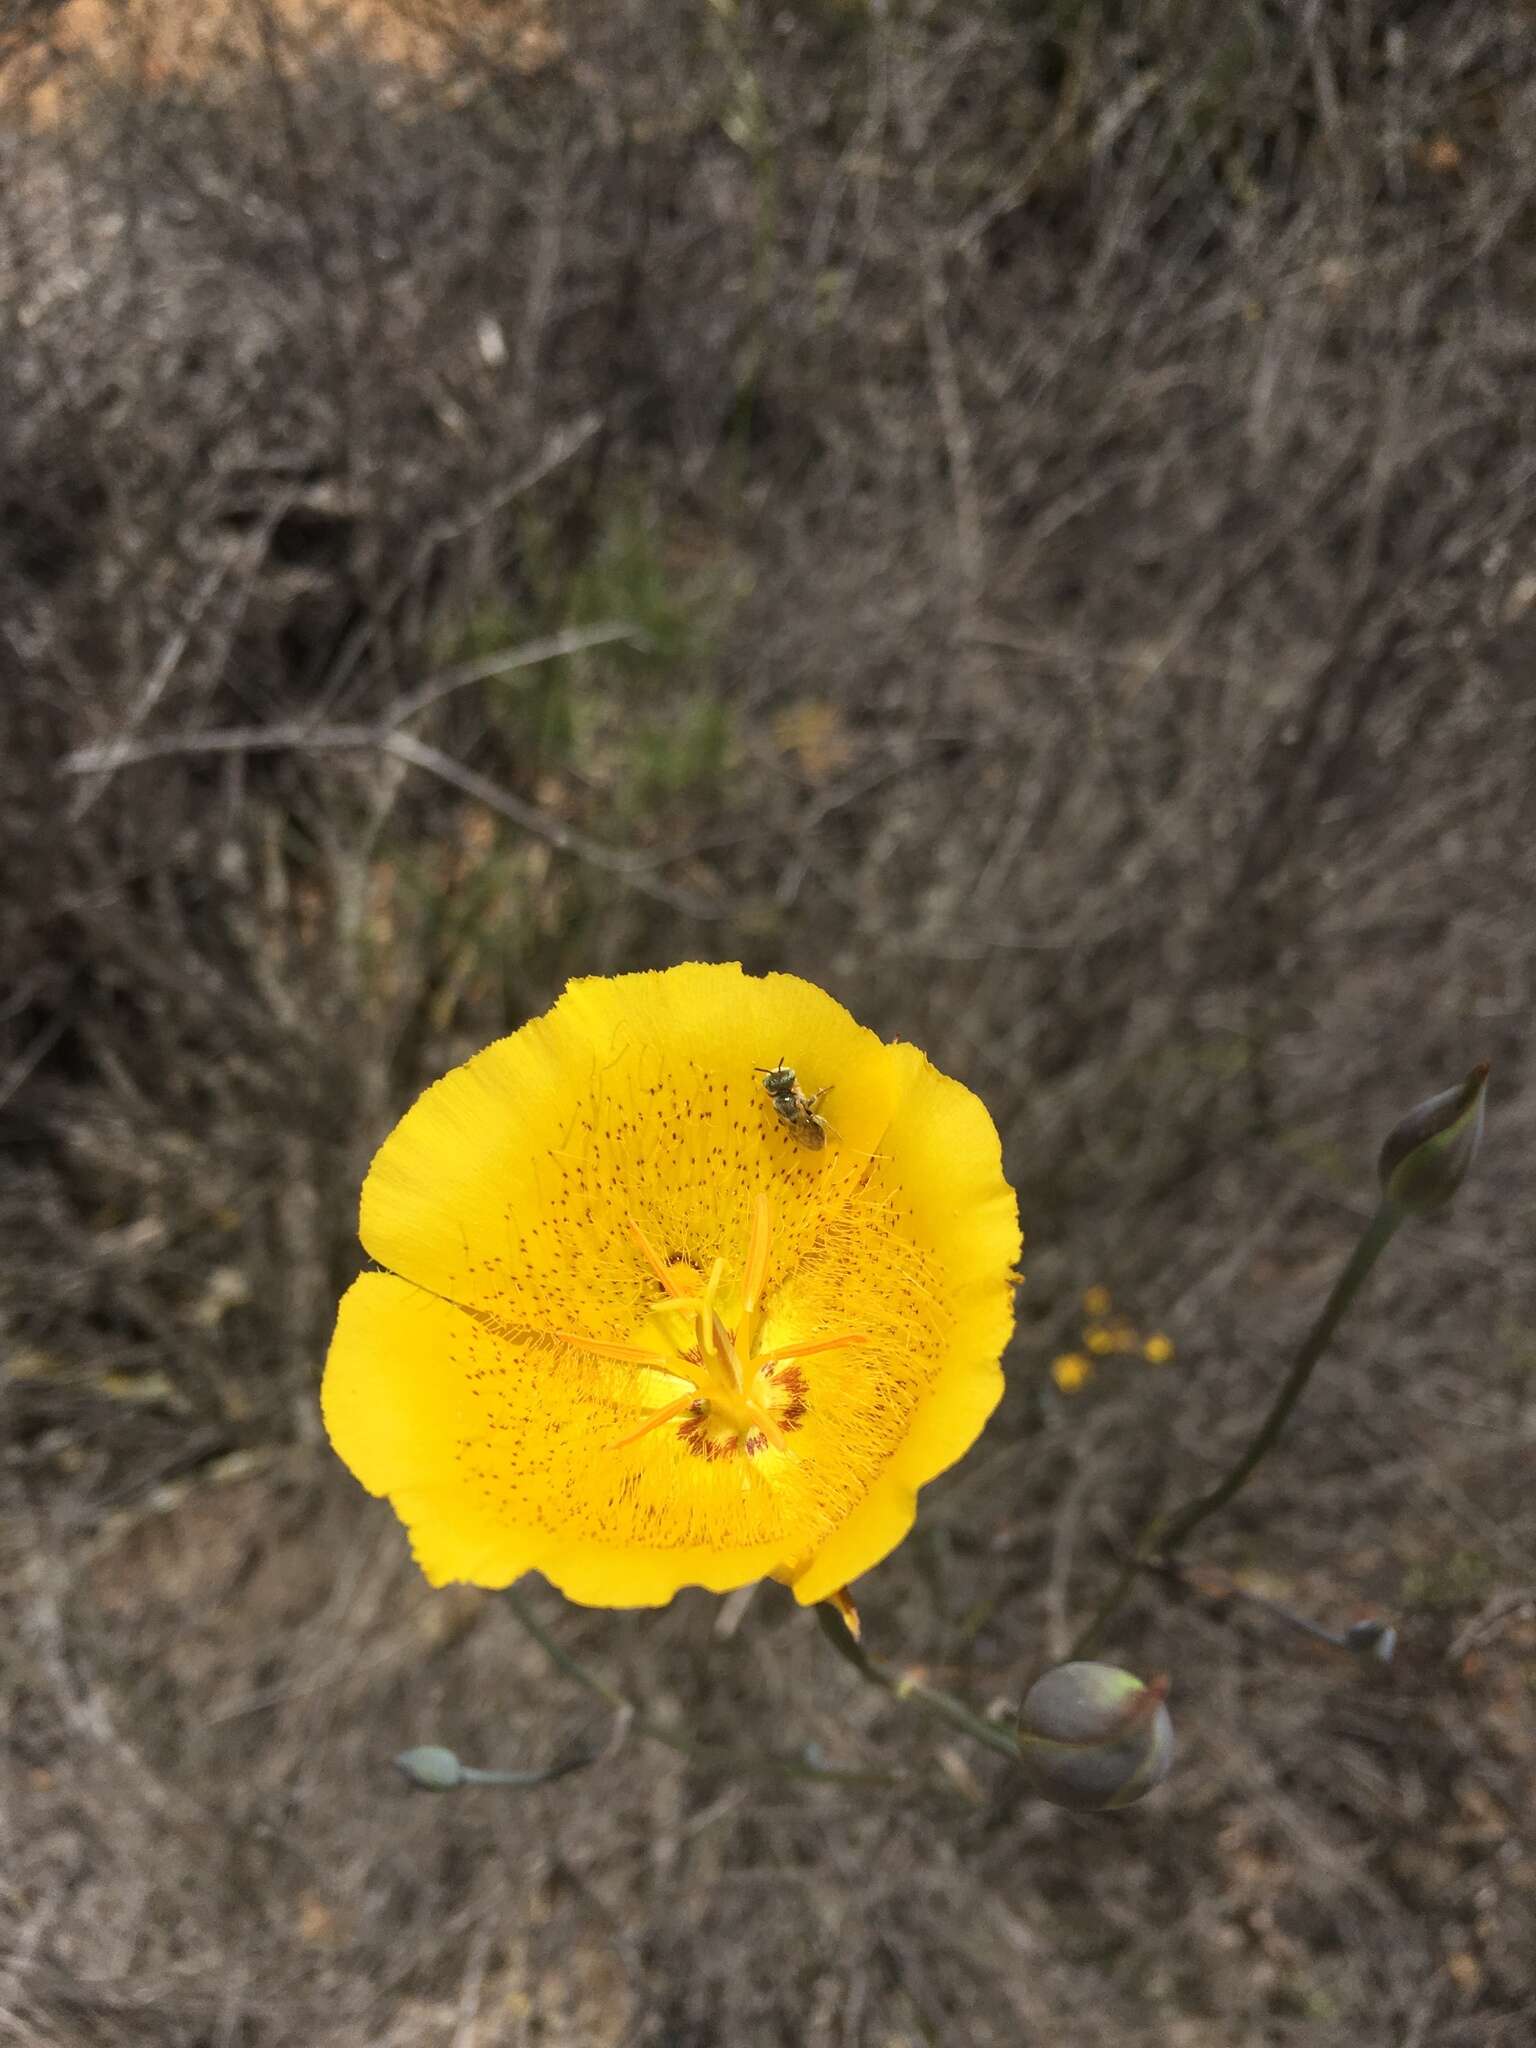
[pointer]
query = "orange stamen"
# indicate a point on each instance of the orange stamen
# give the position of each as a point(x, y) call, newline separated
point(805, 1350)
point(648, 1252)
point(662, 1416)
point(762, 1420)
point(632, 1354)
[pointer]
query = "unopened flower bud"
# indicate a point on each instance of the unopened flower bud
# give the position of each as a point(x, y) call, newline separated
point(1092, 1737)
point(433, 1769)
point(1377, 1639)
point(1429, 1154)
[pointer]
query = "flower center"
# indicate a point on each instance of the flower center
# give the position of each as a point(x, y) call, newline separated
point(739, 1397)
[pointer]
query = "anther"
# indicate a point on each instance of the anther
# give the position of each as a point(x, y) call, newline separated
point(805, 1350)
point(687, 1404)
point(632, 1354)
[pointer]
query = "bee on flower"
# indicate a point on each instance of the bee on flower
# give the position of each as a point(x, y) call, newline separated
point(795, 1108)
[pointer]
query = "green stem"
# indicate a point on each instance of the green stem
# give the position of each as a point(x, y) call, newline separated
point(728, 1760)
point(558, 1655)
point(1164, 1534)
point(904, 1685)
point(1373, 1242)
point(1229, 1589)
point(473, 1776)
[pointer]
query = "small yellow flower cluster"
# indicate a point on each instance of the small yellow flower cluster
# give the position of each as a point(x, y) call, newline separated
point(1106, 1335)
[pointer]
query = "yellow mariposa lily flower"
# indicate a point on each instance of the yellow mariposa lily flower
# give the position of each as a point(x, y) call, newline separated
point(638, 1332)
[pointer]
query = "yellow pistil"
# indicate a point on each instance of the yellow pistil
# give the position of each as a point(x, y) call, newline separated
point(731, 1356)
point(725, 1371)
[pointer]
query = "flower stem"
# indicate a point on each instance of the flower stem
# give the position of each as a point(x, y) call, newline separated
point(473, 1776)
point(1220, 1585)
point(730, 1761)
point(905, 1685)
point(1164, 1534)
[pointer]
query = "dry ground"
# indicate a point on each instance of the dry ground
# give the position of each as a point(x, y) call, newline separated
point(1038, 504)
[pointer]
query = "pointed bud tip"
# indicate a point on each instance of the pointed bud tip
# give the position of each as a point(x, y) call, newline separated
point(842, 1605)
point(1429, 1152)
point(1374, 1639)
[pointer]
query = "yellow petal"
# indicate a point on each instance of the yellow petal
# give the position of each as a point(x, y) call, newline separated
point(941, 1172)
point(940, 1430)
point(943, 1162)
point(537, 1206)
point(627, 1080)
point(495, 1463)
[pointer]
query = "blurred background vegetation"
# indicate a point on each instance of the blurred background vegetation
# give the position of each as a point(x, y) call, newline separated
point(1018, 510)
